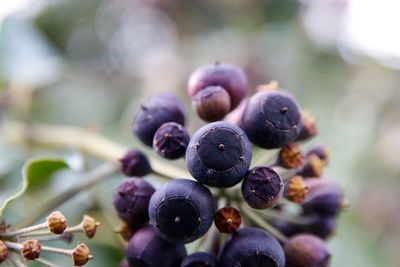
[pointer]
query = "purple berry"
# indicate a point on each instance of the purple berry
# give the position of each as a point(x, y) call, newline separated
point(229, 77)
point(200, 259)
point(181, 210)
point(170, 140)
point(271, 119)
point(155, 112)
point(131, 201)
point(219, 154)
point(262, 188)
point(147, 249)
point(305, 250)
point(251, 247)
point(212, 103)
point(135, 163)
point(320, 151)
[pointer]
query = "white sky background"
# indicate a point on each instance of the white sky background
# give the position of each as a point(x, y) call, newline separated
point(369, 27)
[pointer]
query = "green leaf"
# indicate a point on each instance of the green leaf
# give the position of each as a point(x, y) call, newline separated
point(35, 173)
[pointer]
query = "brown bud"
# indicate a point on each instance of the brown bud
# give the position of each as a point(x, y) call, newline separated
point(296, 189)
point(314, 167)
point(3, 251)
point(309, 127)
point(56, 222)
point(81, 254)
point(291, 156)
point(227, 220)
point(90, 226)
point(31, 249)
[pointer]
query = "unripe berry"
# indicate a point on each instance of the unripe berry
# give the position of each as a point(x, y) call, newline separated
point(219, 154)
point(305, 250)
point(155, 112)
point(271, 119)
point(135, 163)
point(229, 77)
point(181, 210)
point(131, 201)
point(90, 226)
point(262, 188)
point(251, 247)
point(227, 220)
point(200, 259)
point(31, 249)
point(81, 254)
point(56, 222)
point(170, 140)
point(147, 249)
point(212, 103)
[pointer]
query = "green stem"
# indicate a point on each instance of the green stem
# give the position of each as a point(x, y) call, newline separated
point(262, 223)
point(274, 214)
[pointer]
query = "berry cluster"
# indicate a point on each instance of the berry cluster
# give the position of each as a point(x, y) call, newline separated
point(233, 182)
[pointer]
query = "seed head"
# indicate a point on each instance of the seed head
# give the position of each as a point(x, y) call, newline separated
point(296, 189)
point(31, 249)
point(291, 156)
point(81, 254)
point(90, 225)
point(56, 222)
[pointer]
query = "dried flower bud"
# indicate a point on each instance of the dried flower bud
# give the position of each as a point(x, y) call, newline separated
point(291, 156)
point(31, 249)
point(3, 251)
point(296, 189)
point(81, 254)
point(56, 222)
point(308, 127)
point(90, 226)
point(314, 167)
point(135, 163)
point(227, 220)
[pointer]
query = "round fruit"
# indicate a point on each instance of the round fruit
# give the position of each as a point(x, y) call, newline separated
point(212, 103)
point(135, 163)
point(200, 259)
point(170, 140)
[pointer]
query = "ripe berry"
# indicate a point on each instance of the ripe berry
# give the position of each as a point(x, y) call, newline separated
point(135, 163)
point(271, 119)
point(251, 247)
point(324, 197)
point(305, 250)
point(181, 210)
point(212, 103)
point(200, 259)
point(227, 220)
point(170, 140)
point(219, 154)
point(147, 249)
point(131, 201)
point(262, 188)
point(290, 156)
point(155, 112)
point(229, 77)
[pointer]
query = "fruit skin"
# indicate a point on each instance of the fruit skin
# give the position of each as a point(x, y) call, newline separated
point(219, 154)
point(154, 112)
point(271, 119)
point(147, 249)
point(262, 188)
point(251, 247)
point(131, 200)
point(181, 210)
point(212, 103)
point(305, 250)
point(227, 220)
point(229, 77)
point(200, 259)
point(135, 163)
point(171, 140)
point(324, 198)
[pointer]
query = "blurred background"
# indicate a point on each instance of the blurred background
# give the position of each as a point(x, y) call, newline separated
point(90, 63)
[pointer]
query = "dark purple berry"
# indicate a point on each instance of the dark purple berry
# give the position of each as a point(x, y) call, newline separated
point(131, 201)
point(170, 140)
point(324, 198)
point(271, 119)
point(320, 151)
point(155, 112)
point(147, 249)
point(229, 77)
point(181, 210)
point(305, 250)
point(262, 188)
point(321, 226)
point(251, 247)
point(135, 163)
point(219, 154)
point(212, 103)
point(200, 259)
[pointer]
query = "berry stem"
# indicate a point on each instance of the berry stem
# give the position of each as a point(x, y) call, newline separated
point(13, 245)
point(60, 251)
point(46, 263)
point(273, 214)
point(262, 223)
point(25, 230)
